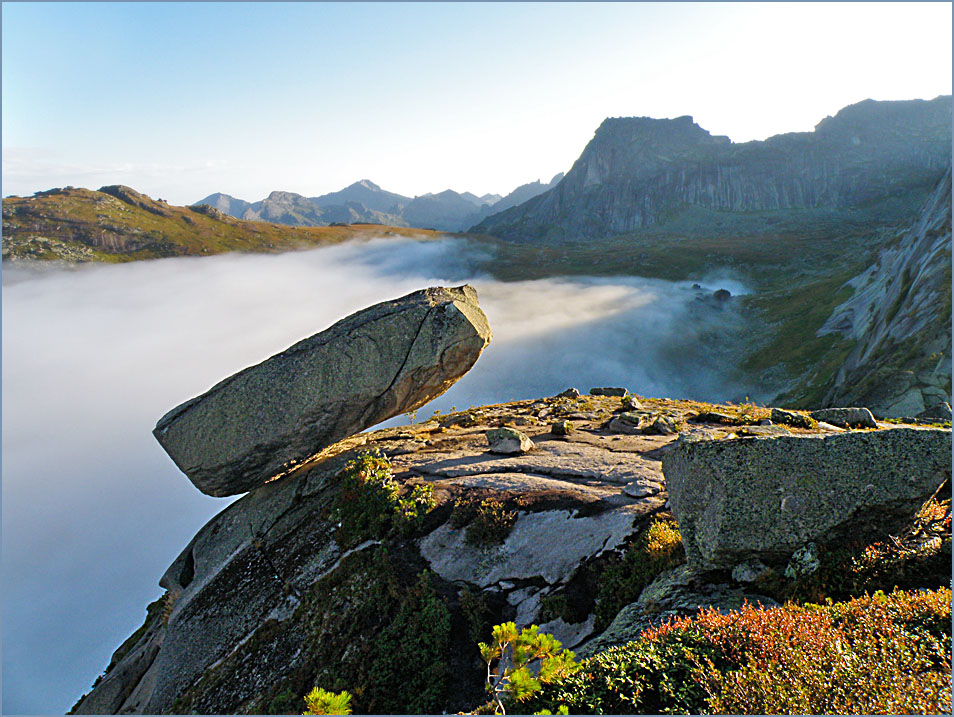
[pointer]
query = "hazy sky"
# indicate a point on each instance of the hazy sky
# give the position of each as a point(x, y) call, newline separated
point(183, 99)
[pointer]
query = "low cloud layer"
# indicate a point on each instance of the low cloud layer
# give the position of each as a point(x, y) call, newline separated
point(94, 511)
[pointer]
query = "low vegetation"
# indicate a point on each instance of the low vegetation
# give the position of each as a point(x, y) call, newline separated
point(875, 654)
point(371, 503)
point(486, 521)
point(656, 549)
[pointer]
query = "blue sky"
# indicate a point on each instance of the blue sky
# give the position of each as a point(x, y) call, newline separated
point(183, 99)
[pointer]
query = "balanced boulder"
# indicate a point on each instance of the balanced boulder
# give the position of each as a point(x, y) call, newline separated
point(764, 498)
point(388, 359)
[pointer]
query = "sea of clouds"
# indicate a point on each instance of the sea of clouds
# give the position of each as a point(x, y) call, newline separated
point(93, 509)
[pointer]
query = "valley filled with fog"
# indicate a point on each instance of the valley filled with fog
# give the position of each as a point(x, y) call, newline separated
point(93, 509)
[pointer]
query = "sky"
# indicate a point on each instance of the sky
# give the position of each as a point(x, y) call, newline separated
point(180, 100)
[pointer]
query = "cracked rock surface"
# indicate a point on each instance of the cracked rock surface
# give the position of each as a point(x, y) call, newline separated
point(259, 423)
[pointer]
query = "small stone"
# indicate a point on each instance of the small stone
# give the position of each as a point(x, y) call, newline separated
point(508, 441)
point(804, 561)
point(664, 426)
point(569, 393)
point(713, 417)
point(608, 391)
point(640, 488)
point(766, 422)
point(562, 428)
point(750, 571)
point(791, 418)
point(846, 417)
point(631, 422)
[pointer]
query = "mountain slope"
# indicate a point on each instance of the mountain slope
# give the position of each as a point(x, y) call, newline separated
point(639, 173)
point(118, 223)
point(900, 318)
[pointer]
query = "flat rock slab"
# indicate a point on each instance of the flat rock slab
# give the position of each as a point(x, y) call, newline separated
point(764, 498)
point(385, 360)
point(557, 459)
point(548, 545)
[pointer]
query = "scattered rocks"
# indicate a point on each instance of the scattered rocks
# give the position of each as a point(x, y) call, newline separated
point(846, 417)
point(791, 418)
point(737, 500)
point(508, 441)
point(608, 391)
point(561, 428)
point(380, 362)
point(630, 403)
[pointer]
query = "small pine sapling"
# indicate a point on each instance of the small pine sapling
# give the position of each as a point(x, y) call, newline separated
point(323, 702)
point(519, 661)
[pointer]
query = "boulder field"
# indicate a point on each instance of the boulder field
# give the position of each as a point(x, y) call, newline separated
point(378, 560)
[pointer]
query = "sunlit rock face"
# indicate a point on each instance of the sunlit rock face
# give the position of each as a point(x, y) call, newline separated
point(764, 498)
point(903, 300)
point(639, 172)
point(380, 362)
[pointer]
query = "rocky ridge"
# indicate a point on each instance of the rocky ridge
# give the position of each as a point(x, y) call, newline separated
point(269, 598)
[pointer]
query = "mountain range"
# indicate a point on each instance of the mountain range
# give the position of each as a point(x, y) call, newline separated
point(872, 161)
point(366, 202)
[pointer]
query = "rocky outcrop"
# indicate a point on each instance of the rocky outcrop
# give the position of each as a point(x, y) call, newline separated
point(678, 592)
point(639, 172)
point(900, 320)
point(255, 603)
point(380, 362)
point(269, 599)
point(764, 498)
point(136, 199)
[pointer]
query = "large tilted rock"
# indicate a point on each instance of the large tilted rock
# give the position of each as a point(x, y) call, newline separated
point(385, 360)
point(766, 497)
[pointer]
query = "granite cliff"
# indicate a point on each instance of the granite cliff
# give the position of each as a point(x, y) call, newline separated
point(639, 172)
point(900, 320)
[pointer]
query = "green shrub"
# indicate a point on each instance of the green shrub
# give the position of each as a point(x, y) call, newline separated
point(285, 702)
point(322, 702)
point(408, 671)
point(487, 521)
point(370, 505)
point(657, 548)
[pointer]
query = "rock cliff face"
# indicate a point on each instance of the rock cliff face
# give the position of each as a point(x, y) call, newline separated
point(639, 172)
point(900, 318)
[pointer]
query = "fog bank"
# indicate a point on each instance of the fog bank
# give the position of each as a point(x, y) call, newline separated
point(93, 509)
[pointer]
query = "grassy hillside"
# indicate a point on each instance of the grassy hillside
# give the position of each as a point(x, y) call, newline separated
point(118, 224)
